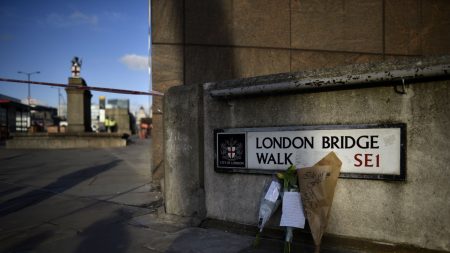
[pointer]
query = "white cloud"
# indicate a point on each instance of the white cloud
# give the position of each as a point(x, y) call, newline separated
point(135, 62)
point(112, 15)
point(81, 18)
point(76, 18)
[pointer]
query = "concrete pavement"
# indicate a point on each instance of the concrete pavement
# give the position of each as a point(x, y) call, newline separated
point(94, 200)
point(55, 201)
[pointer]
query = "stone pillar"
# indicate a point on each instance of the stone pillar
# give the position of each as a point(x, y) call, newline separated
point(78, 107)
point(184, 193)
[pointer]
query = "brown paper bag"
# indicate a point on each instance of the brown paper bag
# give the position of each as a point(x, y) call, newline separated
point(317, 186)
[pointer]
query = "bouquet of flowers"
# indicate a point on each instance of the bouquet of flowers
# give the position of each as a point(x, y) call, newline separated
point(307, 191)
point(270, 200)
point(317, 185)
point(292, 215)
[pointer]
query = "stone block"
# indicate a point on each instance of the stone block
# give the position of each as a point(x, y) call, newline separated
point(402, 27)
point(65, 141)
point(184, 194)
point(308, 60)
point(167, 21)
point(167, 66)
point(157, 147)
point(262, 23)
point(205, 64)
point(167, 63)
point(435, 27)
point(346, 25)
point(53, 129)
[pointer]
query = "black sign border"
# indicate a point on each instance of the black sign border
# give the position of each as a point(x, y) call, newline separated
point(386, 177)
point(216, 155)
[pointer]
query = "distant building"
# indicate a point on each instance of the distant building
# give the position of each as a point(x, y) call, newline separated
point(95, 117)
point(119, 111)
point(41, 113)
point(62, 111)
point(18, 117)
point(43, 116)
point(118, 104)
point(140, 114)
point(14, 116)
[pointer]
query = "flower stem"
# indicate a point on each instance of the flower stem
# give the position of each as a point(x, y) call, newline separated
point(257, 240)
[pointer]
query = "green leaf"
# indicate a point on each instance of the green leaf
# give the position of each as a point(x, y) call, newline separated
point(289, 177)
point(293, 181)
point(280, 175)
point(292, 169)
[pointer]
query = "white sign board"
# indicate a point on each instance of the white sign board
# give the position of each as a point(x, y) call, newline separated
point(363, 151)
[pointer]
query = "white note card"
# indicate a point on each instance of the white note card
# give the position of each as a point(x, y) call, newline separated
point(292, 211)
point(273, 192)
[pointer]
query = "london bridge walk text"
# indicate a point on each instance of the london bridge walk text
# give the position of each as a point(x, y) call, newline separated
point(279, 150)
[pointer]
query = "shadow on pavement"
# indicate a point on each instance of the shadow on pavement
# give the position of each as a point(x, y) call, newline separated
point(60, 185)
point(107, 235)
point(12, 190)
point(12, 157)
point(30, 243)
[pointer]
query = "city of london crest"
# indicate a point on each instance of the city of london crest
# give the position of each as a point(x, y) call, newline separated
point(231, 150)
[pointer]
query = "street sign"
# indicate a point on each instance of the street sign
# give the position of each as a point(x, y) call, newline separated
point(366, 151)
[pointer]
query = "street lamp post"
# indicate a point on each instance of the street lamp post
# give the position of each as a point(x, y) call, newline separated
point(29, 92)
point(59, 101)
point(29, 80)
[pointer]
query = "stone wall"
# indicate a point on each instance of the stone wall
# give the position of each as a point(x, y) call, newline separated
point(414, 212)
point(201, 41)
point(65, 140)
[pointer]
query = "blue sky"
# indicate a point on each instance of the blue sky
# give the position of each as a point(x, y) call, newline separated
point(111, 37)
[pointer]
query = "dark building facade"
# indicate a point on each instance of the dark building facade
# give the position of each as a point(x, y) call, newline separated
point(14, 116)
point(18, 117)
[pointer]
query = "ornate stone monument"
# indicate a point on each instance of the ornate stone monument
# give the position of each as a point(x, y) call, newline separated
point(78, 101)
point(76, 66)
point(79, 133)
